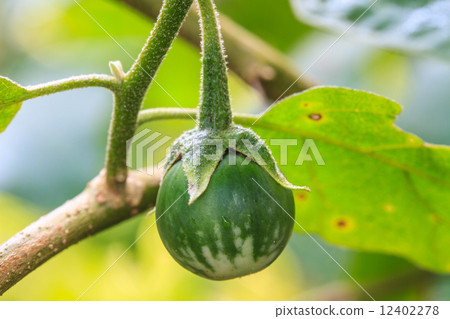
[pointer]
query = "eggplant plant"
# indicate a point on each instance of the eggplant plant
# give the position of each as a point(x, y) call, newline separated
point(223, 207)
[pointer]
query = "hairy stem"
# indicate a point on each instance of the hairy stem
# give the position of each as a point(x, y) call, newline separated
point(215, 109)
point(75, 82)
point(256, 62)
point(95, 209)
point(172, 113)
point(136, 83)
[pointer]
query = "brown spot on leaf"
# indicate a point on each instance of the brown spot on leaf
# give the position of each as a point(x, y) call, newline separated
point(435, 218)
point(304, 104)
point(315, 116)
point(343, 224)
point(301, 196)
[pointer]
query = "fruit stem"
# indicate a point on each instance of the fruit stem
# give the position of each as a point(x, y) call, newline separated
point(214, 110)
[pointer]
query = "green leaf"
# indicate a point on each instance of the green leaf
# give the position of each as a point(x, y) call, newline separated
point(11, 96)
point(7, 114)
point(413, 26)
point(11, 92)
point(381, 189)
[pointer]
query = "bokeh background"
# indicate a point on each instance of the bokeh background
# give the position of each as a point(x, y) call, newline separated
point(56, 144)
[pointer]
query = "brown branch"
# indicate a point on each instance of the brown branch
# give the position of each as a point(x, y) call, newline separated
point(95, 209)
point(252, 59)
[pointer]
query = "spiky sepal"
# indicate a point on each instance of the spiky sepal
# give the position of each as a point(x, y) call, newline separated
point(201, 150)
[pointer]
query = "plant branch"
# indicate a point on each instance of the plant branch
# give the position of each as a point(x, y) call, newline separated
point(75, 82)
point(16, 93)
point(172, 113)
point(101, 206)
point(95, 209)
point(251, 58)
point(135, 84)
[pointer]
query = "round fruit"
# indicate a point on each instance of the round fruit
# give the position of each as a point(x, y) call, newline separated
point(238, 226)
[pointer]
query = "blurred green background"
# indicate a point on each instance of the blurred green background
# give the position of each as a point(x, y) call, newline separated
point(56, 144)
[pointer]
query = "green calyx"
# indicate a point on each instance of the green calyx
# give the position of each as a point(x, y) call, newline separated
point(202, 150)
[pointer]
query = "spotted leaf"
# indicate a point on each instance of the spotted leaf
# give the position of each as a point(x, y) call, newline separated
point(380, 189)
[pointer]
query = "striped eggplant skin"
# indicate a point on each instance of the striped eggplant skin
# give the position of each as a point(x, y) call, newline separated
point(234, 228)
